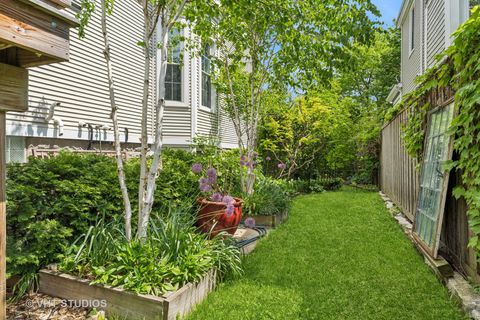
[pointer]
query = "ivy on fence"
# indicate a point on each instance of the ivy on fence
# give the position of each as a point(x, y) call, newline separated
point(460, 71)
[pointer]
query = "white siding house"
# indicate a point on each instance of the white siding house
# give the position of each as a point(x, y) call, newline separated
point(78, 89)
point(426, 31)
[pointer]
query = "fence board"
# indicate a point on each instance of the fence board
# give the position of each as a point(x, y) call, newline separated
point(399, 178)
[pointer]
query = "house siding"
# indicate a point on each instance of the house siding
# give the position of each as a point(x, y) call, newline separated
point(411, 61)
point(435, 30)
point(207, 123)
point(80, 85)
point(228, 136)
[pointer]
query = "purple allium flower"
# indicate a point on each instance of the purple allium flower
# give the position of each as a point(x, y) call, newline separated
point(205, 187)
point(230, 209)
point(217, 197)
point(211, 176)
point(282, 166)
point(243, 160)
point(250, 222)
point(197, 168)
point(211, 172)
point(228, 200)
point(251, 164)
point(212, 180)
point(268, 158)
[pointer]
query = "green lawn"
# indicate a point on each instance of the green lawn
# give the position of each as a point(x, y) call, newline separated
point(340, 256)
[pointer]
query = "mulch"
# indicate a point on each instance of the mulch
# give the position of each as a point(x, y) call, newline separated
point(42, 307)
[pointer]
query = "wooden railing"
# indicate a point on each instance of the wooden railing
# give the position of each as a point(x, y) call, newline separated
point(47, 153)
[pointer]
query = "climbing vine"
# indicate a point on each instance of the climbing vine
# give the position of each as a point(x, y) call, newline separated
point(459, 71)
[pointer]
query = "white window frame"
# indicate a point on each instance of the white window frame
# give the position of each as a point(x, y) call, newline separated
point(206, 55)
point(212, 51)
point(184, 79)
point(411, 30)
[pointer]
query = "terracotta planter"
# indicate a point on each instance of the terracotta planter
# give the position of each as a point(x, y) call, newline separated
point(212, 217)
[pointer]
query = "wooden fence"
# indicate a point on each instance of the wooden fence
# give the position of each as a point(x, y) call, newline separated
point(399, 178)
point(47, 153)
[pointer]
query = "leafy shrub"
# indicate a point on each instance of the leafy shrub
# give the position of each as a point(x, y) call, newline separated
point(270, 197)
point(173, 255)
point(330, 184)
point(52, 201)
point(316, 186)
point(175, 184)
point(301, 186)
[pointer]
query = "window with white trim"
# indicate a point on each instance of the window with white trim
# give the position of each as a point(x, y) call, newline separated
point(173, 78)
point(206, 77)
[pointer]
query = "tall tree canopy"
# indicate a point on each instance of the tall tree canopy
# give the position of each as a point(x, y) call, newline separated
point(269, 44)
point(355, 98)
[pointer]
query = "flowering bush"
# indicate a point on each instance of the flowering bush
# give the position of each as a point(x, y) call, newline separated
point(209, 186)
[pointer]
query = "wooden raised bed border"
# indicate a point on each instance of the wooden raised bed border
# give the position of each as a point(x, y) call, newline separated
point(128, 305)
point(272, 221)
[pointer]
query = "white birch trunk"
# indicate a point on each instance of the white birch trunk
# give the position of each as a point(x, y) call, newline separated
point(116, 131)
point(144, 123)
point(168, 14)
point(156, 162)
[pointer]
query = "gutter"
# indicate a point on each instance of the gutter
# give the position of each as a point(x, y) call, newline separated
point(403, 9)
point(394, 92)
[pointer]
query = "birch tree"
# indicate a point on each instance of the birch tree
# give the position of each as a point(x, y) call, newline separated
point(290, 43)
point(159, 18)
point(165, 13)
point(107, 6)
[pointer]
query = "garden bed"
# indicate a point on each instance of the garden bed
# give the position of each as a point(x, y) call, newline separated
point(128, 305)
point(271, 221)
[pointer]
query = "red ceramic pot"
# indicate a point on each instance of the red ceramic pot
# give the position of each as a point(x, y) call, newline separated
point(213, 218)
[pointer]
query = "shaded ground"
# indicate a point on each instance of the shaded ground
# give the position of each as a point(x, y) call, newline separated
point(340, 256)
point(42, 307)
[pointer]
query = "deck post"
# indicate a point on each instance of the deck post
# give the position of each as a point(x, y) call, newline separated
point(3, 228)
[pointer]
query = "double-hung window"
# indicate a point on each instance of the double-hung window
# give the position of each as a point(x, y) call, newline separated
point(206, 78)
point(173, 78)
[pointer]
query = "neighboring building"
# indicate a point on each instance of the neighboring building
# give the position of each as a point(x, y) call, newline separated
point(426, 27)
point(79, 89)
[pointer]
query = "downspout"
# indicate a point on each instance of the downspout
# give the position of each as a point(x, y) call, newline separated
point(56, 120)
point(90, 136)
